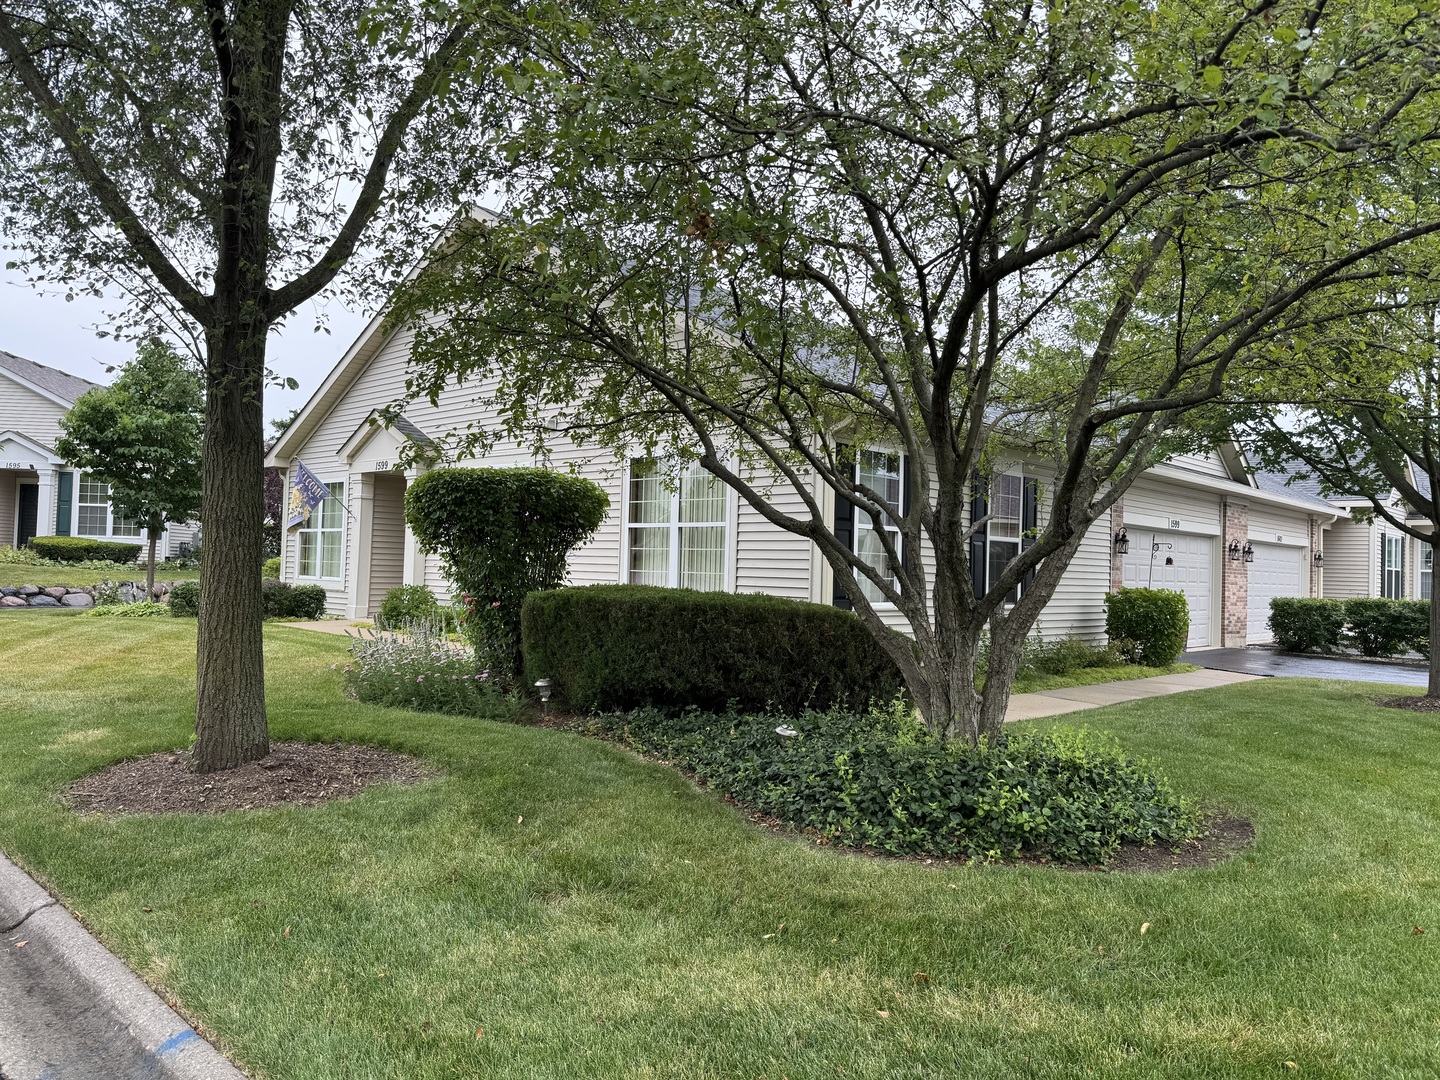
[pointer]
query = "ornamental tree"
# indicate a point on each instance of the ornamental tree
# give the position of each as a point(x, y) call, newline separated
point(970, 235)
point(141, 435)
point(502, 534)
point(221, 162)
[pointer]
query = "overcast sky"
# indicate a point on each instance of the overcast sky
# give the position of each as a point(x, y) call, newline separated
point(41, 326)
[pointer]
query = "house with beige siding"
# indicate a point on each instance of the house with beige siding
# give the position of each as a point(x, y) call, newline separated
point(40, 495)
point(1200, 523)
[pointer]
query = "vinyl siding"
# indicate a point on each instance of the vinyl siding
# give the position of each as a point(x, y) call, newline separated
point(1195, 510)
point(1208, 463)
point(23, 410)
point(1351, 553)
point(1268, 522)
point(387, 538)
point(8, 497)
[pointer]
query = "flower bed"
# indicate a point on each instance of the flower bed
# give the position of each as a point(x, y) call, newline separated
point(419, 668)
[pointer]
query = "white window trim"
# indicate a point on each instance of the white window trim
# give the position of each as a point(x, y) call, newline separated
point(111, 516)
point(1018, 540)
point(731, 554)
point(343, 530)
point(1396, 543)
point(1424, 551)
point(861, 520)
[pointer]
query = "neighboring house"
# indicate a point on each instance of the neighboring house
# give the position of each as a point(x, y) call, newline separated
point(1200, 523)
point(39, 494)
point(1369, 557)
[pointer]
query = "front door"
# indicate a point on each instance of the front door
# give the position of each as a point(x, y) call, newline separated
point(28, 512)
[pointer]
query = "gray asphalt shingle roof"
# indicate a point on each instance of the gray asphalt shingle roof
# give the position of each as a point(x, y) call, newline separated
point(60, 383)
point(1296, 482)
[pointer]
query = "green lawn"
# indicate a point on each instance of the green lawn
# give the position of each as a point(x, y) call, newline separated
point(45, 576)
point(1034, 683)
point(632, 926)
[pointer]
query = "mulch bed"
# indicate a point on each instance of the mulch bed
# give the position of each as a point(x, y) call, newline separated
point(293, 774)
point(1224, 836)
point(1414, 704)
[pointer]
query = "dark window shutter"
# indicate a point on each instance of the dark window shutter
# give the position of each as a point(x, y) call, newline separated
point(64, 489)
point(1029, 521)
point(979, 507)
point(844, 525)
point(905, 490)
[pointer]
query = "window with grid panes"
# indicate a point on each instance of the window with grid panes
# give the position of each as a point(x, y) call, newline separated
point(322, 539)
point(676, 533)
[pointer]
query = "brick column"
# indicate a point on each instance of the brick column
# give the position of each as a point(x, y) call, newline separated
point(1234, 577)
point(1317, 583)
point(1117, 561)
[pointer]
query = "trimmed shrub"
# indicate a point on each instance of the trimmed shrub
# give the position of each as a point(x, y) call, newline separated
point(1149, 625)
point(1386, 627)
point(501, 534)
point(281, 600)
point(82, 548)
point(270, 569)
point(406, 603)
point(624, 646)
point(880, 781)
point(1306, 624)
point(185, 599)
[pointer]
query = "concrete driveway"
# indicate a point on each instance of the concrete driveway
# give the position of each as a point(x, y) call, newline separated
point(1256, 661)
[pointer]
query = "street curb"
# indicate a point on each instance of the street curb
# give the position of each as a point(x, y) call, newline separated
point(176, 1048)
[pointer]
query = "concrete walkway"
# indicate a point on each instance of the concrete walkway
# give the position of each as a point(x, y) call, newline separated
point(1076, 698)
point(336, 626)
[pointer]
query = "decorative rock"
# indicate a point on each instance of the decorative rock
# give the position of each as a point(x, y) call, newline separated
point(55, 592)
point(44, 601)
point(77, 599)
point(9, 590)
point(11, 601)
point(28, 590)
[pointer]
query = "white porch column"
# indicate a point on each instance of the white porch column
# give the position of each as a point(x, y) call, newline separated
point(362, 505)
point(414, 570)
point(45, 509)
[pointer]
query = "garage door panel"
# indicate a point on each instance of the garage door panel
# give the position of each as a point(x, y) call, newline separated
point(1277, 571)
point(1179, 561)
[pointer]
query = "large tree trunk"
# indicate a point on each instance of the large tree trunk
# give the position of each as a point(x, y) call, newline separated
point(153, 534)
point(230, 726)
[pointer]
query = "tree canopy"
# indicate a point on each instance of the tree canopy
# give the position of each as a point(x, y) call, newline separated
point(975, 236)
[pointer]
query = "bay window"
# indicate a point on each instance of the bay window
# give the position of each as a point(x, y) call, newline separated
point(676, 534)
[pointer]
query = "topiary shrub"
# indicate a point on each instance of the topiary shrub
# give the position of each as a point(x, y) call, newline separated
point(185, 599)
point(1306, 624)
point(624, 646)
point(501, 534)
point(270, 569)
point(1152, 625)
point(880, 781)
point(1386, 627)
point(406, 603)
point(81, 548)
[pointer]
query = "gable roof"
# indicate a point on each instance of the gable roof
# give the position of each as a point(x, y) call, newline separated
point(52, 382)
point(1296, 481)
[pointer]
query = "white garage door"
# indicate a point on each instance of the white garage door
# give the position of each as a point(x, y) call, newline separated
point(1276, 571)
point(1179, 561)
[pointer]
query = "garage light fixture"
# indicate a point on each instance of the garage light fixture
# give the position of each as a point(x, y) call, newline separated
point(1319, 557)
point(1122, 542)
point(1234, 550)
point(1249, 552)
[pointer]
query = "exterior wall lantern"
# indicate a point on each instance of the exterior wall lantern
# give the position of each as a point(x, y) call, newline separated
point(1234, 550)
point(1319, 558)
point(1121, 541)
point(1249, 552)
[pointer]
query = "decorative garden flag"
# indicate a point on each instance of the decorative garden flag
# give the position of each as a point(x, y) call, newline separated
point(307, 493)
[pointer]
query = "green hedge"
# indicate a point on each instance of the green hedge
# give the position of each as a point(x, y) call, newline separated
point(185, 599)
point(1386, 627)
point(1150, 625)
point(406, 603)
point(879, 781)
point(279, 599)
point(1307, 624)
point(83, 548)
point(625, 646)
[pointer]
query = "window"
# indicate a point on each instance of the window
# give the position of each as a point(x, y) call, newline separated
point(1392, 571)
point(1427, 564)
point(322, 538)
point(880, 472)
point(1003, 529)
point(93, 500)
point(676, 537)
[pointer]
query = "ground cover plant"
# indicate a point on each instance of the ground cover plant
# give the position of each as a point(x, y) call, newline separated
point(555, 906)
point(880, 780)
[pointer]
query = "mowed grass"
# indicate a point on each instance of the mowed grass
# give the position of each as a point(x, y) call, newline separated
point(633, 926)
point(45, 576)
point(1035, 683)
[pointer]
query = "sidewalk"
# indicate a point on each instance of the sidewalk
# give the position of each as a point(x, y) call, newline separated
point(1076, 698)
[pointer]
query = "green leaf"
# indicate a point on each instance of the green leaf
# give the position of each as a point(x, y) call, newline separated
point(1213, 76)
